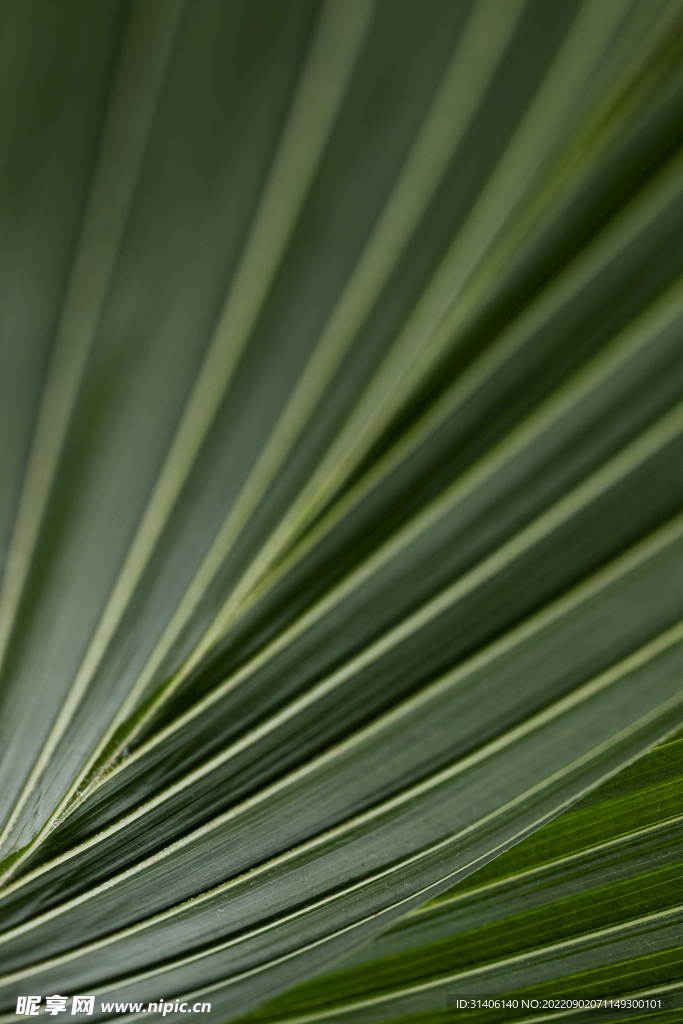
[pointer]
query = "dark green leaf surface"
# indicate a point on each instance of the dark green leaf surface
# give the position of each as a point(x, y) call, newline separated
point(341, 504)
point(588, 907)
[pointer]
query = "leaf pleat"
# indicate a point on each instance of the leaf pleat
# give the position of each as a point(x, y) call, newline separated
point(504, 925)
point(342, 507)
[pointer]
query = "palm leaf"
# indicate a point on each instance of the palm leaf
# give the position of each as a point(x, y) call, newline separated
point(341, 499)
point(588, 908)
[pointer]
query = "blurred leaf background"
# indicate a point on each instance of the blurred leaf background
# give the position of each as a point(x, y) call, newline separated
point(341, 504)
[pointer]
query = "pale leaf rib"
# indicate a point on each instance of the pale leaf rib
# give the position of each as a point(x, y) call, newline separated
point(353, 712)
point(544, 717)
point(638, 216)
point(257, 579)
point(656, 319)
point(140, 76)
point(314, 110)
point(656, 714)
point(223, 541)
point(561, 948)
point(418, 346)
point(630, 561)
point(671, 638)
point(539, 869)
point(485, 39)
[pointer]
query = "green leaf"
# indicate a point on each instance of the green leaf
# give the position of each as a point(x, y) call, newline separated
point(341, 513)
point(586, 908)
